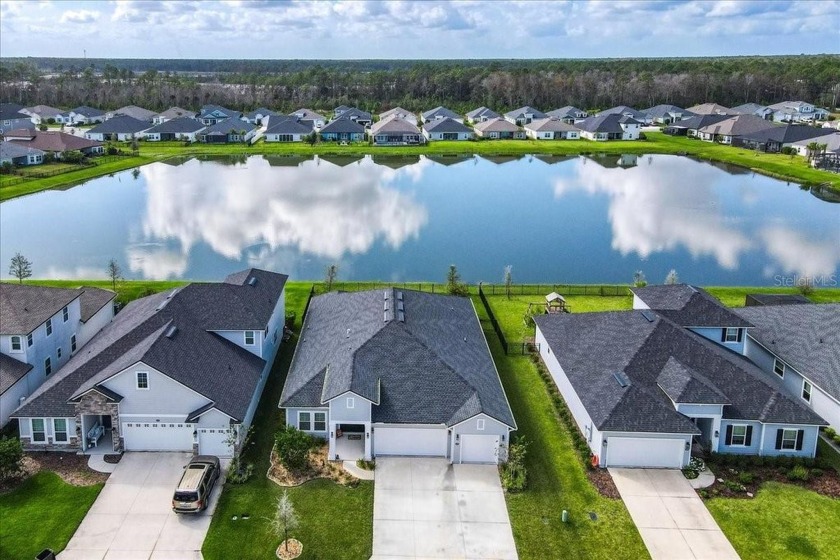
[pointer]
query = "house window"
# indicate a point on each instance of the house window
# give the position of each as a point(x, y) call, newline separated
point(142, 380)
point(789, 439)
point(351, 402)
point(249, 338)
point(73, 343)
point(49, 327)
point(65, 314)
point(29, 339)
point(305, 421)
point(39, 430)
point(17, 344)
point(320, 422)
point(779, 367)
point(60, 429)
point(47, 366)
point(479, 425)
point(806, 390)
point(731, 335)
point(58, 352)
point(739, 435)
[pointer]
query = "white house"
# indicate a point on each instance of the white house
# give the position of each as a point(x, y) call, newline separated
point(81, 115)
point(446, 129)
point(287, 129)
point(551, 129)
point(797, 111)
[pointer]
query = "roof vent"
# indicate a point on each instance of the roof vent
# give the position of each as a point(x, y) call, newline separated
point(400, 296)
point(400, 306)
point(649, 315)
point(386, 295)
point(348, 333)
point(622, 378)
point(252, 281)
point(386, 305)
point(401, 317)
point(170, 332)
point(385, 316)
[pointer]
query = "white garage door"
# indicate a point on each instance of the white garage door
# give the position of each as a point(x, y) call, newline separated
point(396, 440)
point(479, 449)
point(213, 442)
point(645, 452)
point(147, 436)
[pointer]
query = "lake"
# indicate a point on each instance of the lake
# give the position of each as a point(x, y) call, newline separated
point(554, 219)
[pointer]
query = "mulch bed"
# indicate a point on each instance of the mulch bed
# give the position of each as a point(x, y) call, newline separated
point(602, 480)
point(318, 466)
point(112, 459)
point(826, 484)
point(294, 550)
point(72, 469)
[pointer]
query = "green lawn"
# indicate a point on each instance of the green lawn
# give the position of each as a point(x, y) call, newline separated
point(43, 512)
point(127, 290)
point(782, 521)
point(825, 450)
point(336, 522)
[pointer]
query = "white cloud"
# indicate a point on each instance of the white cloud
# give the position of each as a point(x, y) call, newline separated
point(79, 16)
point(796, 254)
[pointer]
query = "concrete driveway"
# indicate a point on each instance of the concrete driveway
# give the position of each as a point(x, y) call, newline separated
point(427, 508)
point(671, 517)
point(132, 518)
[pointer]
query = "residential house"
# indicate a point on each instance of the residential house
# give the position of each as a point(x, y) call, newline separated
point(318, 120)
point(287, 129)
point(212, 114)
point(81, 115)
point(12, 118)
point(120, 127)
point(799, 347)
point(181, 370)
point(665, 114)
point(400, 114)
point(568, 114)
point(13, 153)
point(647, 386)
point(259, 116)
point(357, 115)
point(711, 109)
point(524, 115)
point(133, 111)
point(447, 129)
point(690, 126)
point(551, 129)
point(778, 137)
point(797, 111)
point(172, 113)
point(228, 131)
point(753, 109)
point(394, 131)
point(178, 128)
point(733, 127)
point(831, 141)
point(41, 114)
point(481, 114)
point(55, 142)
point(343, 130)
point(397, 372)
point(340, 110)
point(40, 331)
point(625, 111)
point(441, 113)
point(610, 126)
point(498, 129)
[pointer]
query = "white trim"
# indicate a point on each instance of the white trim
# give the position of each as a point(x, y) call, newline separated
point(12, 349)
point(726, 335)
point(350, 403)
point(146, 415)
point(311, 423)
point(48, 328)
point(253, 338)
point(479, 424)
point(732, 442)
point(29, 340)
point(778, 361)
point(137, 380)
point(795, 437)
point(32, 431)
point(48, 361)
point(810, 390)
point(340, 395)
point(66, 431)
point(65, 314)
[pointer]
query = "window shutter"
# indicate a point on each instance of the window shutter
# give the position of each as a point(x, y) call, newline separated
point(779, 438)
point(748, 440)
point(723, 334)
point(729, 435)
point(740, 335)
point(800, 435)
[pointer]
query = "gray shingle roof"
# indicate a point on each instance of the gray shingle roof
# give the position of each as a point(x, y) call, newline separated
point(23, 307)
point(526, 110)
point(658, 111)
point(307, 115)
point(11, 149)
point(138, 113)
point(178, 125)
point(194, 356)
point(446, 124)
point(738, 126)
point(288, 125)
point(609, 123)
point(778, 299)
point(440, 113)
point(805, 336)
point(434, 367)
point(89, 112)
point(400, 113)
point(551, 125)
point(343, 125)
point(623, 110)
point(11, 371)
point(699, 121)
point(208, 110)
point(394, 125)
point(787, 134)
point(94, 299)
point(689, 306)
point(122, 124)
point(229, 126)
point(11, 111)
point(483, 112)
point(496, 125)
point(750, 109)
point(356, 114)
point(566, 112)
point(683, 384)
point(176, 112)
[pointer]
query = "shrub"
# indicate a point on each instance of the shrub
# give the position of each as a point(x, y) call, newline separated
point(836, 439)
point(798, 473)
point(734, 486)
point(513, 473)
point(697, 464)
point(817, 472)
point(690, 474)
point(366, 465)
point(11, 457)
point(703, 493)
point(293, 447)
point(239, 472)
point(788, 151)
point(830, 432)
point(746, 477)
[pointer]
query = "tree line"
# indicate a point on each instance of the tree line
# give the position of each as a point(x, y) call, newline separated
point(418, 85)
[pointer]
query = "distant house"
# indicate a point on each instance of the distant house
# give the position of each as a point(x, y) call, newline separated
point(14, 153)
point(394, 131)
point(753, 109)
point(55, 142)
point(625, 111)
point(690, 126)
point(357, 115)
point(343, 130)
point(481, 114)
point(797, 111)
point(447, 129)
point(287, 129)
point(610, 126)
point(340, 110)
point(227, 132)
point(524, 115)
point(172, 113)
point(81, 115)
point(733, 127)
point(178, 128)
point(711, 109)
point(41, 114)
point(11, 117)
point(568, 114)
point(211, 114)
point(778, 137)
point(831, 141)
point(441, 113)
point(665, 114)
point(318, 121)
point(498, 129)
point(258, 116)
point(133, 111)
point(120, 127)
point(551, 129)
point(400, 114)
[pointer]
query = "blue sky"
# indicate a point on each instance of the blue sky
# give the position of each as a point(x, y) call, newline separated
point(405, 29)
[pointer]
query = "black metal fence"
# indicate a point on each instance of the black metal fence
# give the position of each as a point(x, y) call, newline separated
point(562, 289)
point(493, 320)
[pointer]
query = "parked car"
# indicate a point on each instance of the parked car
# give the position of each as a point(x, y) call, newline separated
point(192, 495)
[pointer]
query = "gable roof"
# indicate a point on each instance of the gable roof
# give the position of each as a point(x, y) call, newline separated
point(831, 141)
point(658, 111)
point(343, 125)
point(94, 299)
point(175, 112)
point(623, 110)
point(177, 125)
point(120, 124)
point(688, 306)
point(521, 112)
point(440, 112)
point(24, 307)
point(307, 115)
point(496, 125)
point(11, 371)
point(356, 114)
point(212, 110)
point(400, 113)
point(86, 111)
point(787, 134)
point(609, 123)
point(750, 109)
point(710, 109)
point(138, 113)
point(43, 111)
point(229, 126)
point(805, 336)
point(10, 111)
point(568, 111)
point(288, 125)
point(9, 149)
point(482, 112)
point(394, 125)
point(446, 124)
point(53, 140)
point(698, 121)
point(427, 363)
point(738, 125)
point(550, 125)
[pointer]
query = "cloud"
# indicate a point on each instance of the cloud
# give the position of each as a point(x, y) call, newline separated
point(155, 261)
point(79, 16)
point(796, 254)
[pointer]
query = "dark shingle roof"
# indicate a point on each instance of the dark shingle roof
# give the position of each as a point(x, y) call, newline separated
point(439, 113)
point(12, 150)
point(522, 111)
point(483, 112)
point(699, 121)
point(433, 367)
point(229, 126)
point(288, 125)
point(10, 111)
point(623, 110)
point(688, 306)
point(776, 299)
point(138, 113)
point(122, 124)
point(208, 110)
point(683, 384)
point(805, 336)
point(89, 112)
point(176, 112)
point(394, 125)
point(609, 123)
point(23, 307)
point(446, 124)
point(343, 125)
point(658, 111)
point(568, 111)
point(357, 114)
point(11, 371)
point(178, 125)
point(94, 299)
point(787, 134)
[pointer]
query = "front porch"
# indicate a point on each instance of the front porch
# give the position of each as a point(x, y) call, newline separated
point(97, 435)
point(350, 443)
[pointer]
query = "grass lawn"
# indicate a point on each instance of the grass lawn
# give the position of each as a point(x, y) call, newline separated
point(782, 521)
point(336, 522)
point(43, 512)
point(127, 290)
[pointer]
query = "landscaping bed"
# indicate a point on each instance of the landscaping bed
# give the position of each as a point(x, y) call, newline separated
point(70, 467)
point(742, 477)
point(317, 466)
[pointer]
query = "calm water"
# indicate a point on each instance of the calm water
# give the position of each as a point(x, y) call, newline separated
point(554, 219)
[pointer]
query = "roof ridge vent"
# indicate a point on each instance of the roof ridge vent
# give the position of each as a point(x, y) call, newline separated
point(622, 378)
point(401, 316)
point(163, 303)
point(252, 281)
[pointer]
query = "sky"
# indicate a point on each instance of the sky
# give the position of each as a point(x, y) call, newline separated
point(283, 29)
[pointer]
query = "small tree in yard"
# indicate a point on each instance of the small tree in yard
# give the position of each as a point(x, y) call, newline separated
point(330, 276)
point(453, 282)
point(508, 279)
point(114, 273)
point(513, 472)
point(806, 286)
point(21, 267)
point(11, 456)
point(285, 518)
point(672, 277)
point(639, 280)
point(293, 447)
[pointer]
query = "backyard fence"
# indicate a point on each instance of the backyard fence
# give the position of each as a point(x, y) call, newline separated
point(493, 320)
point(562, 289)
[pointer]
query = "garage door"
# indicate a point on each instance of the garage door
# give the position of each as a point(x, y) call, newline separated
point(157, 437)
point(395, 440)
point(645, 452)
point(213, 442)
point(479, 449)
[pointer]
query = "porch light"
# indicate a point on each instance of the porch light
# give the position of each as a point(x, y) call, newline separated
point(367, 434)
point(717, 433)
point(605, 442)
point(195, 433)
point(332, 435)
